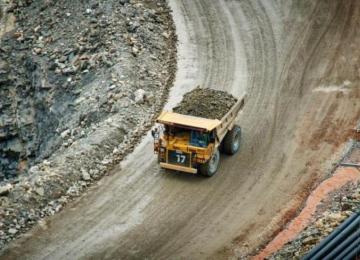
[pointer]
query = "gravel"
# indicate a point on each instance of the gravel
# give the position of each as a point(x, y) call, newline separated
point(207, 103)
point(68, 74)
point(330, 214)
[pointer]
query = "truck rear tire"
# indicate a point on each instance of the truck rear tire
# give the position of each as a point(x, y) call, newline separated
point(232, 141)
point(209, 168)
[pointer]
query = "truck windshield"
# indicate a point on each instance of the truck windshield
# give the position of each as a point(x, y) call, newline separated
point(174, 131)
point(199, 139)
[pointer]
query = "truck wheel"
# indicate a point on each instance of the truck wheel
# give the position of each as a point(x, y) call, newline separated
point(209, 168)
point(232, 140)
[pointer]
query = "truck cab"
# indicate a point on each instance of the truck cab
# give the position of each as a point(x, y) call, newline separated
point(186, 143)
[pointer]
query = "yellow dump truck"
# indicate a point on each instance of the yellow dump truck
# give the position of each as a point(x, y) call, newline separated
point(193, 144)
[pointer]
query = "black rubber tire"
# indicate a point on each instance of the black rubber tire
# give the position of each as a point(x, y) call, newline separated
point(232, 141)
point(209, 168)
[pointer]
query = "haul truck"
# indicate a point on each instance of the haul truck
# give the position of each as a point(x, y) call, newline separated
point(193, 144)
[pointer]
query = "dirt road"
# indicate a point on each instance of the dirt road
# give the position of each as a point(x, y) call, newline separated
point(298, 63)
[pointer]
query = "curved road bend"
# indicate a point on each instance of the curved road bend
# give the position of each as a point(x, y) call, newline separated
point(292, 59)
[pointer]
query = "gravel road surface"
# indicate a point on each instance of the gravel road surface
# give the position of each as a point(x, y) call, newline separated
point(296, 60)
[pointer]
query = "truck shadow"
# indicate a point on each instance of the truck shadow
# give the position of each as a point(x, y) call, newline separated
point(182, 176)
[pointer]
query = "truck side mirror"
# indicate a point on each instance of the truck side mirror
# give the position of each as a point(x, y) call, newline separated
point(155, 133)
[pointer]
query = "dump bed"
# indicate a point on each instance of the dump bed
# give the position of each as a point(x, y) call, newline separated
point(228, 120)
point(185, 121)
point(204, 124)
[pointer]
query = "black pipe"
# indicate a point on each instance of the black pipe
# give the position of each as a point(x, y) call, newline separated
point(344, 253)
point(335, 241)
point(355, 252)
point(346, 227)
point(331, 236)
point(343, 245)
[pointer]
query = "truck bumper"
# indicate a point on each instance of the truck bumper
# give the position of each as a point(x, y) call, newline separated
point(178, 168)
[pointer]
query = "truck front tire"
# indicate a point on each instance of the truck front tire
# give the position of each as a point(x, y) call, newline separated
point(232, 141)
point(209, 168)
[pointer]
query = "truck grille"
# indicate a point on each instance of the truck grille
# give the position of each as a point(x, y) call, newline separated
point(179, 158)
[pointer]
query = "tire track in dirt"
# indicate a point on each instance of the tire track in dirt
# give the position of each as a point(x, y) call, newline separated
point(142, 212)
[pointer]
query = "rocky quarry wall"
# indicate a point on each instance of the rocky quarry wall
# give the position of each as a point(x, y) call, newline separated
point(69, 65)
point(80, 83)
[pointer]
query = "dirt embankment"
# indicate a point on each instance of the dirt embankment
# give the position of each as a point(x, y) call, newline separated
point(80, 82)
point(329, 215)
point(342, 200)
point(207, 103)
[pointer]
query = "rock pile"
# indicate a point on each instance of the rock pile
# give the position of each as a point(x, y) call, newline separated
point(207, 103)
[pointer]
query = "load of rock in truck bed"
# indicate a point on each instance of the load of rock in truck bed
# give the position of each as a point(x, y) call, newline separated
point(206, 103)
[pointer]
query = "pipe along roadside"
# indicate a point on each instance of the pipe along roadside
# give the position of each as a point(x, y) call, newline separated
point(342, 243)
